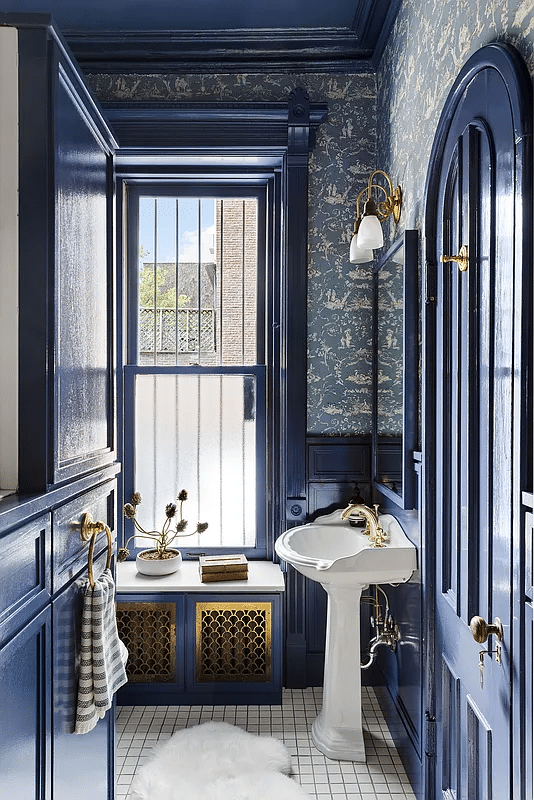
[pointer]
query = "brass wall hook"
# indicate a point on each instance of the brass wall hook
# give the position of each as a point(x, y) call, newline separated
point(462, 258)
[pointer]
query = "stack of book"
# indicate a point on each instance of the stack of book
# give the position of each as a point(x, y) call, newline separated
point(223, 568)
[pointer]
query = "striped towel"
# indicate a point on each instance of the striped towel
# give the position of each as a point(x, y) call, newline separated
point(102, 654)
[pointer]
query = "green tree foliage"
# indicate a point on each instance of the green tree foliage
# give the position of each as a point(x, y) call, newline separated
point(165, 289)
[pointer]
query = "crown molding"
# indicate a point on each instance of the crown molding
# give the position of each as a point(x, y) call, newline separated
point(216, 52)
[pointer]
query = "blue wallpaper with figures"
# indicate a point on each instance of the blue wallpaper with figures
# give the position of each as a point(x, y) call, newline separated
point(339, 294)
point(430, 42)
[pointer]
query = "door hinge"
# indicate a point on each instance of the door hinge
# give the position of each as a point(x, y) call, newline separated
point(430, 738)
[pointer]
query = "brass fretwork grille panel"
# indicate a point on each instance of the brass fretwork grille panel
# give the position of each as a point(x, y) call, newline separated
point(149, 632)
point(233, 641)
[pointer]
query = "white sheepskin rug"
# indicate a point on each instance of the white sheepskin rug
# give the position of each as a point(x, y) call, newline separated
point(217, 761)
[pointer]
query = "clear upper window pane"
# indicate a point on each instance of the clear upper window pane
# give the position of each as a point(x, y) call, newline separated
point(198, 279)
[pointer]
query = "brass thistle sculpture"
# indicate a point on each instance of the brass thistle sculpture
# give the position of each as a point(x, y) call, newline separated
point(169, 532)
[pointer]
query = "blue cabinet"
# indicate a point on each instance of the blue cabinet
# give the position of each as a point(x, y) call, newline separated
point(66, 422)
point(201, 648)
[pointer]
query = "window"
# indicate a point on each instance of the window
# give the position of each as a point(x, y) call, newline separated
point(195, 379)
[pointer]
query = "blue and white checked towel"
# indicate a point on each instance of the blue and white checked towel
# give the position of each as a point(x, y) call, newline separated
point(102, 654)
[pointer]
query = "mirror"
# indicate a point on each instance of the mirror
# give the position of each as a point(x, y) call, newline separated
point(395, 370)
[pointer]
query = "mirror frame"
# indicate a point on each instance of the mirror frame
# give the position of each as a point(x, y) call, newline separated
point(406, 499)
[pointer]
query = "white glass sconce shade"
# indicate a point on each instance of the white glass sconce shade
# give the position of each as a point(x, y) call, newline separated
point(359, 255)
point(370, 234)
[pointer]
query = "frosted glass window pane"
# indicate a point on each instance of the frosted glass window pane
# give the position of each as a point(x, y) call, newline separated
point(198, 432)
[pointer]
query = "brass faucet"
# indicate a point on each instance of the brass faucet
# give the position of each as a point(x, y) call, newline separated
point(373, 529)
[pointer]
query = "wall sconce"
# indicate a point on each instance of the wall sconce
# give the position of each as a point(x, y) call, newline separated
point(367, 234)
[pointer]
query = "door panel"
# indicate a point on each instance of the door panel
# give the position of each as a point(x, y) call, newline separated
point(83, 419)
point(475, 427)
point(25, 711)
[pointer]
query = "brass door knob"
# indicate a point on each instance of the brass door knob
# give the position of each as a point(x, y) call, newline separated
point(481, 629)
point(462, 258)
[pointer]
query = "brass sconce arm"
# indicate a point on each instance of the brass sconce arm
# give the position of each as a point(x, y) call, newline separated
point(393, 202)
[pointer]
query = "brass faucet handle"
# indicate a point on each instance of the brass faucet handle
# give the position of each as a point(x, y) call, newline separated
point(380, 537)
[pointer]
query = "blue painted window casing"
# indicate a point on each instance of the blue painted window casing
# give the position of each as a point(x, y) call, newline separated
point(195, 410)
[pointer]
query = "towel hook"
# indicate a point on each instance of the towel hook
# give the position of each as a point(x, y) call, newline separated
point(90, 531)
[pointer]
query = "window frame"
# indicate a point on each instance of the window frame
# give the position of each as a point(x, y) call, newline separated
point(238, 187)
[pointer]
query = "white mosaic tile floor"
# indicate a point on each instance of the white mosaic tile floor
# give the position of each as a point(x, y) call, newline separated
point(382, 778)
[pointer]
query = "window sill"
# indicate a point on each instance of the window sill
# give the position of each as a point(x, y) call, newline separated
point(263, 576)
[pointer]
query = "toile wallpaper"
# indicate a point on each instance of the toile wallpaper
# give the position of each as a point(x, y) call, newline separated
point(430, 42)
point(339, 294)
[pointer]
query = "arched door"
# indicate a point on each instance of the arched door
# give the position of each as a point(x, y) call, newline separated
point(478, 262)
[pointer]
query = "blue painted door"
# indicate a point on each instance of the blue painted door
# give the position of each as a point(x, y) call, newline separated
point(477, 422)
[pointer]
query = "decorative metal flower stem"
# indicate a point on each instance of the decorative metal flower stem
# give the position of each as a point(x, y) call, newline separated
point(164, 538)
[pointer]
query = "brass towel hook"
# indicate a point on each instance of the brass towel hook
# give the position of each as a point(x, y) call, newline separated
point(462, 258)
point(90, 531)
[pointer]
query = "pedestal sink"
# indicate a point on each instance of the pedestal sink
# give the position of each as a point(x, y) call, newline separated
point(342, 559)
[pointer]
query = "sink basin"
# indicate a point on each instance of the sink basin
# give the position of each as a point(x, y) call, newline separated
point(341, 558)
point(331, 551)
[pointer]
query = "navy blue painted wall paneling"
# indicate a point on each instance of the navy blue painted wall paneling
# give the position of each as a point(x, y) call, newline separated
point(334, 465)
point(25, 580)
point(66, 430)
point(527, 666)
point(338, 458)
point(403, 671)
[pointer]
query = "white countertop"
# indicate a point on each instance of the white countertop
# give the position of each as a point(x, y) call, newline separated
point(263, 576)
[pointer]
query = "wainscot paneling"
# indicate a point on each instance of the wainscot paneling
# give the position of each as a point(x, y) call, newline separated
point(69, 551)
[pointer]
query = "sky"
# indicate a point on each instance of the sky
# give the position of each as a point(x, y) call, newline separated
point(192, 213)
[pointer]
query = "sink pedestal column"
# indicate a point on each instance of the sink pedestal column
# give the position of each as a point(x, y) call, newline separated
point(337, 731)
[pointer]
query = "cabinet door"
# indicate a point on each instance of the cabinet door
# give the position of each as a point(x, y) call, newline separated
point(233, 650)
point(66, 392)
point(83, 376)
point(24, 574)
point(24, 711)
point(69, 554)
point(83, 764)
